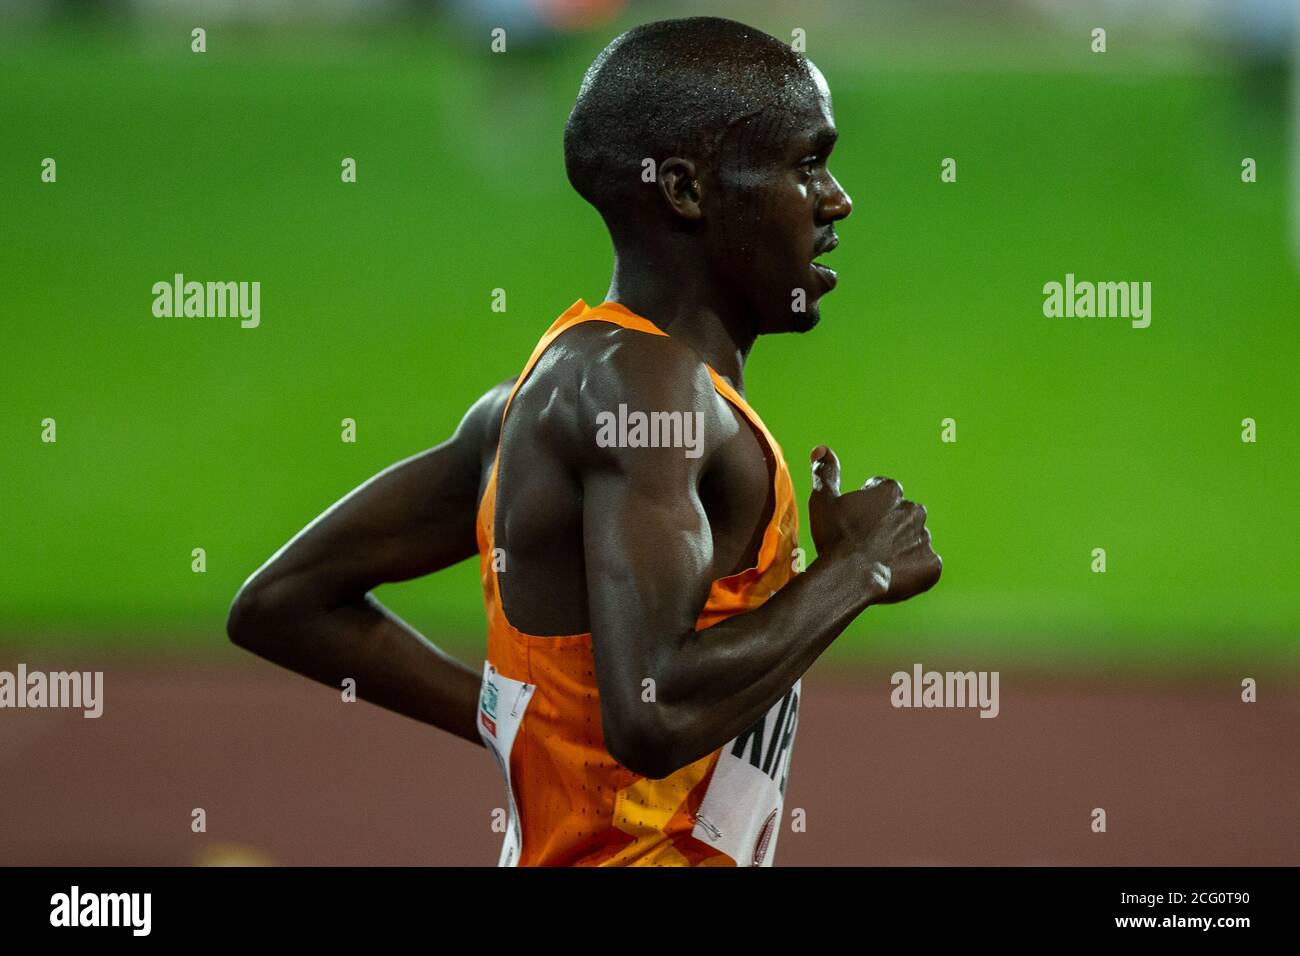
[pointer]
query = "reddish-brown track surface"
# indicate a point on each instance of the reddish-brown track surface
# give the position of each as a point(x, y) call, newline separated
point(287, 773)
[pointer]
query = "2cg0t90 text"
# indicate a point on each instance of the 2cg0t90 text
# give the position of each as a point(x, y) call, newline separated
point(1174, 896)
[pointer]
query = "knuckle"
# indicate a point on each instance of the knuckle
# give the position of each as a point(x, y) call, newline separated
point(887, 487)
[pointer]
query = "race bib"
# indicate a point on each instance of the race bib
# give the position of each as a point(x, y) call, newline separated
point(741, 811)
point(501, 706)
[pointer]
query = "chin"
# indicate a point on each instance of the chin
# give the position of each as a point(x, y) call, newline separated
point(806, 321)
point(792, 322)
point(787, 320)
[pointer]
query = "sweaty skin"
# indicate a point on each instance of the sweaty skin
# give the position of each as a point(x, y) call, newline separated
point(622, 542)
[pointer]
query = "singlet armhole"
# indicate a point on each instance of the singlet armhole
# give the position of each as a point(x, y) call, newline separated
point(767, 544)
point(491, 487)
point(771, 460)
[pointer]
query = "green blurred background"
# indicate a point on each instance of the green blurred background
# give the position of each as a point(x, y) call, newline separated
point(1073, 434)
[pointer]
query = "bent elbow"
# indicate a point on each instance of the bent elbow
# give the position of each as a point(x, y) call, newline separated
point(244, 620)
point(644, 762)
point(643, 746)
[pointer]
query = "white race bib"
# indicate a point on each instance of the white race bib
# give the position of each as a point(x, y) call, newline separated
point(741, 811)
point(501, 707)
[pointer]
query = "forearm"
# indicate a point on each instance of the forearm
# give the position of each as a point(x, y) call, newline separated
point(717, 682)
point(393, 665)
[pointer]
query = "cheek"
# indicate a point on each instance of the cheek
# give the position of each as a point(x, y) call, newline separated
point(776, 228)
point(742, 214)
point(765, 219)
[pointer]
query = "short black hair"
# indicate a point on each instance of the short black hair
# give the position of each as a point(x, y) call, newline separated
point(672, 88)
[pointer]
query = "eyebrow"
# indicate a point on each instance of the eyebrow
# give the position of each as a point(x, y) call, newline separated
point(823, 139)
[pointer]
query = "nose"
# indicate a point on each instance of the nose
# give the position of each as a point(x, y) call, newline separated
point(836, 204)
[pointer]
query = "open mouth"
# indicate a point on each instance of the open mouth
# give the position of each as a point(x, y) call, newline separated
point(826, 274)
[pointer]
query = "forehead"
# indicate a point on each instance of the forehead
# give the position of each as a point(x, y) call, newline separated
point(804, 111)
point(813, 104)
point(797, 120)
point(819, 84)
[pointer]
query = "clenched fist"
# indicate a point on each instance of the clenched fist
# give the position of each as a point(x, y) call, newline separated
point(877, 525)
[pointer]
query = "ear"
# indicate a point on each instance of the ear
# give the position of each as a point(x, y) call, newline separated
point(680, 187)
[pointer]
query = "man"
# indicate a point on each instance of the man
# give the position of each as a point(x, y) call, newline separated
point(633, 517)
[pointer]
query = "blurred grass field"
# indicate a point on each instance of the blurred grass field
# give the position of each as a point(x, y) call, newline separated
point(175, 434)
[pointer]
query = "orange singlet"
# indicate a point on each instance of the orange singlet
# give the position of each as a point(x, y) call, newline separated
point(571, 803)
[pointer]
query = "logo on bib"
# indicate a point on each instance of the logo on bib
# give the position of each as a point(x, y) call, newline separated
point(488, 706)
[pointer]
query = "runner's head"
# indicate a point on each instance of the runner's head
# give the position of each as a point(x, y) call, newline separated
point(712, 136)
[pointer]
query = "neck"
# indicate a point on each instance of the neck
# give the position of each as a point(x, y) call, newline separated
point(670, 288)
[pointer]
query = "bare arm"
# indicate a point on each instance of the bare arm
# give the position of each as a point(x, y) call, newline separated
point(309, 608)
point(650, 564)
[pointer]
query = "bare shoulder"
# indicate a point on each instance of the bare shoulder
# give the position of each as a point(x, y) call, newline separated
point(596, 369)
point(475, 439)
point(484, 417)
point(615, 360)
